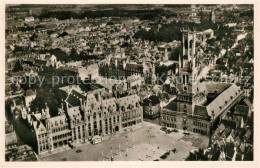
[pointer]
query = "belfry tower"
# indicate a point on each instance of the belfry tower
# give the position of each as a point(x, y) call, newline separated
point(187, 84)
point(187, 59)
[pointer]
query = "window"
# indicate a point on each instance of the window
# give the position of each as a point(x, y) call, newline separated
point(89, 129)
point(94, 116)
point(79, 132)
point(75, 134)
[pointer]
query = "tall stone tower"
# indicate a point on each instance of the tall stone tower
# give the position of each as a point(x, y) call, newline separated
point(188, 87)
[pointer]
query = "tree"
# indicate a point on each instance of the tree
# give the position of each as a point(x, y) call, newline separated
point(33, 37)
point(53, 97)
point(73, 54)
point(175, 54)
point(17, 67)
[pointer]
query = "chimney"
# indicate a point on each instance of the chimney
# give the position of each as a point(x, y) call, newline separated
point(67, 105)
point(80, 101)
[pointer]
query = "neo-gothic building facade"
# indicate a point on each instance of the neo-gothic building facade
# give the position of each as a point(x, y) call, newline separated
point(121, 67)
point(85, 116)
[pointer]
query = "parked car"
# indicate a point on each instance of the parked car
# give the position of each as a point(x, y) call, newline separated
point(71, 145)
point(167, 153)
point(163, 157)
point(96, 139)
point(78, 151)
point(186, 133)
point(168, 131)
point(163, 128)
point(175, 130)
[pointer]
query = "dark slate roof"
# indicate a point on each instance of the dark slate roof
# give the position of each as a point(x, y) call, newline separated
point(200, 110)
point(242, 110)
point(40, 62)
point(229, 150)
point(30, 93)
point(172, 105)
point(77, 94)
point(47, 56)
point(134, 67)
point(73, 101)
point(18, 101)
point(153, 99)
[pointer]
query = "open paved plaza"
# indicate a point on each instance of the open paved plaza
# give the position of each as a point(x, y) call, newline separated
point(146, 143)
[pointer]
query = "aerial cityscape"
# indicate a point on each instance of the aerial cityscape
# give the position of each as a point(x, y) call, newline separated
point(121, 82)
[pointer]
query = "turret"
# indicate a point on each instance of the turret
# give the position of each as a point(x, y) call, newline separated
point(47, 111)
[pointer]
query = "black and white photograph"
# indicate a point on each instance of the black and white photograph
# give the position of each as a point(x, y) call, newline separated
point(128, 82)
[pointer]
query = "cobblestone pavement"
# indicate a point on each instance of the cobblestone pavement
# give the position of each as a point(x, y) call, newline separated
point(145, 143)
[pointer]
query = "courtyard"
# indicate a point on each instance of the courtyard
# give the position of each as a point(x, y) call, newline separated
point(145, 143)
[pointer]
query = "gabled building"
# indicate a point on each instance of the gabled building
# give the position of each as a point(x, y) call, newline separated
point(152, 107)
point(82, 117)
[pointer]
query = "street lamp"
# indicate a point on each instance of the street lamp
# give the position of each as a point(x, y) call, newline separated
point(119, 152)
point(111, 152)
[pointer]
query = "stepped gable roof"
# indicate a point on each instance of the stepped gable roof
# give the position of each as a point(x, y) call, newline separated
point(127, 102)
point(58, 120)
point(109, 105)
point(74, 113)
